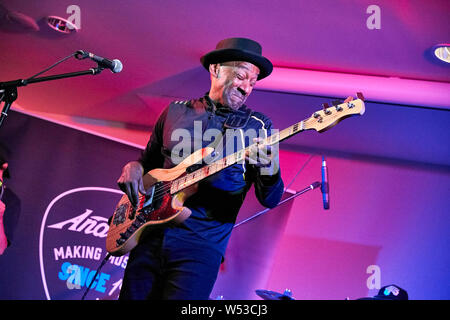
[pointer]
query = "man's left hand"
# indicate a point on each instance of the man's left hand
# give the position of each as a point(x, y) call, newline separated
point(263, 156)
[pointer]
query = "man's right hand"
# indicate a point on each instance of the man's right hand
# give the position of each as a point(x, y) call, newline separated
point(131, 181)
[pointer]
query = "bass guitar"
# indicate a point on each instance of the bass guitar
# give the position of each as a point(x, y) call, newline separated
point(168, 189)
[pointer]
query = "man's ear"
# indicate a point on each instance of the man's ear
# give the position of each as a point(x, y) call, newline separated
point(214, 69)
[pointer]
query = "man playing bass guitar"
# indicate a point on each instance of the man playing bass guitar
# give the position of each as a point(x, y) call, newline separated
point(181, 261)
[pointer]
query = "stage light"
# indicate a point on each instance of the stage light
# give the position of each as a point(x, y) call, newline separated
point(442, 52)
point(61, 25)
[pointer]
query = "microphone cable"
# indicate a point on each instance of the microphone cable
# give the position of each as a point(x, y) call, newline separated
point(298, 172)
point(96, 273)
point(52, 66)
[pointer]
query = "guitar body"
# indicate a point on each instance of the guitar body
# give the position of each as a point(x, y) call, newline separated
point(129, 224)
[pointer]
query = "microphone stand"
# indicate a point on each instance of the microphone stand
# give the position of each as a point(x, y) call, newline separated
point(312, 186)
point(9, 88)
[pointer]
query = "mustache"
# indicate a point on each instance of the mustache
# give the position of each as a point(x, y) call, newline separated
point(241, 91)
point(237, 92)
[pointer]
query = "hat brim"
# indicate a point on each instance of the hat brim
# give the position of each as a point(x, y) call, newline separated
point(225, 55)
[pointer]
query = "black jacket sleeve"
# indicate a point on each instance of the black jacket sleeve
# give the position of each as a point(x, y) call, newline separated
point(152, 156)
point(268, 188)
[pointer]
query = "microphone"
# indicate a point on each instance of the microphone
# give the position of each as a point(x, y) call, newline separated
point(115, 65)
point(325, 187)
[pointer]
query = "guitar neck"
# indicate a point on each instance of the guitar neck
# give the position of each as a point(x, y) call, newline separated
point(320, 121)
point(210, 169)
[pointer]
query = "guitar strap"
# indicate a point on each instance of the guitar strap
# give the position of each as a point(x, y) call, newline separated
point(236, 119)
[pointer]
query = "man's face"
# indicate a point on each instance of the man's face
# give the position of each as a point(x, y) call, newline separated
point(234, 81)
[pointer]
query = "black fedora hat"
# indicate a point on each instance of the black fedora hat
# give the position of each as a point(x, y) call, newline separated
point(239, 49)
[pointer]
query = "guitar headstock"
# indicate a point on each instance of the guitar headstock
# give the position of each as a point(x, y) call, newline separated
point(328, 117)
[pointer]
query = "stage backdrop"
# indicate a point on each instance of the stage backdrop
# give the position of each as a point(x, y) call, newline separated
point(387, 224)
point(65, 180)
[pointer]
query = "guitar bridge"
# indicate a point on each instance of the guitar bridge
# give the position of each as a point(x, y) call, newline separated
point(120, 214)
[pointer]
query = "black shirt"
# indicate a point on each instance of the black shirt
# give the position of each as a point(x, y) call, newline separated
point(186, 126)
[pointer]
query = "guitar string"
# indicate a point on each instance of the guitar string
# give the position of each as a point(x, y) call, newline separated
point(165, 188)
point(161, 191)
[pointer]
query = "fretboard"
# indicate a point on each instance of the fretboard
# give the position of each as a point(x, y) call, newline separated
point(212, 168)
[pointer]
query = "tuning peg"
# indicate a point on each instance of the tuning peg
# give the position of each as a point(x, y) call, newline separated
point(360, 96)
point(336, 104)
point(325, 107)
